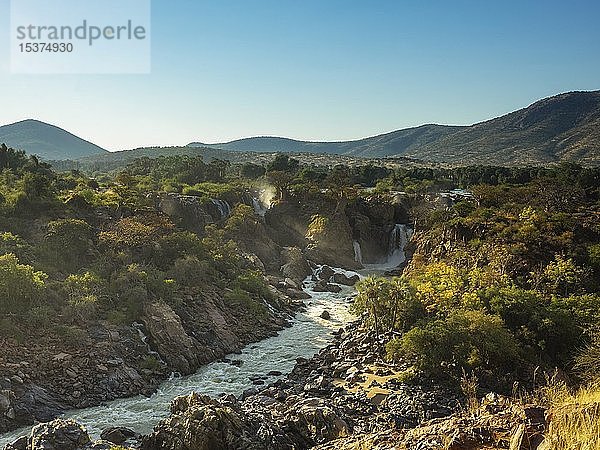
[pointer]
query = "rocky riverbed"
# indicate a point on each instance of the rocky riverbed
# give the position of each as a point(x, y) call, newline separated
point(42, 378)
point(345, 390)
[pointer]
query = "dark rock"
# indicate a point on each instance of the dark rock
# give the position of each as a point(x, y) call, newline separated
point(117, 435)
point(59, 434)
point(173, 343)
point(323, 286)
point(20, 444)
point(325, 273)
point(295, 266)
point(341, 278)
point(325, 315)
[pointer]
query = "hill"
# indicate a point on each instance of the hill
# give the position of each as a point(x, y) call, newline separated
point(388, 144)
point(47, 141)
point(565, 127)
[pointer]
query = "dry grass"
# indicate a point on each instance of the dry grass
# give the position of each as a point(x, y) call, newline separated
point(574, 417)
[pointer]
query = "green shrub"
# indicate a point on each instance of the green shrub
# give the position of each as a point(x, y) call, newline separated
point(11, 243)
point(465, 340)
point(67, 244)
point(40, 317)
point(190, 271)
point(390, 304)
point(10, 330)
point(21, 287)
point(242, 299)
point(150, 362)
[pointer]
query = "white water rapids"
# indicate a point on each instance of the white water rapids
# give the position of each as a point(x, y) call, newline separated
point(307, 335)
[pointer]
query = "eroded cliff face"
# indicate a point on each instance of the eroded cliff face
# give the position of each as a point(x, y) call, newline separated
point(41, 380)
point(328, 234)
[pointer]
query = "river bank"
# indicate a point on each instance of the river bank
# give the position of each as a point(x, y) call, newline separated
point(256, 365)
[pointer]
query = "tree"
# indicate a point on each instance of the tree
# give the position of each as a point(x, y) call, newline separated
point(252, 171)
point(283, 163)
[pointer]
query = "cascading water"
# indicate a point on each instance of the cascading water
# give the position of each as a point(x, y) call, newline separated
point(222, 206)
point(399, 237)
point(357, 252)
point(259, 208)
point(307, 335)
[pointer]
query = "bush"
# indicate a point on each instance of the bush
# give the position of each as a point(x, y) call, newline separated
point(465, 340)
point(21, 287)
point(10, 330)
point(240, 298)
point(190, 271)
point(71, 335)
point(11, 243)
point(67, 244)
point(40, 316)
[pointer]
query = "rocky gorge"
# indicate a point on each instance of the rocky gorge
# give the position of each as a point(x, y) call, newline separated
point(44, 379)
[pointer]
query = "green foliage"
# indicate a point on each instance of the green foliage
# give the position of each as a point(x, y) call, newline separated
point(190, 271)
point(10, 330)
point(150, 362)
point(11, 243)
point(40, 317)
point(21, 287)
point(463, 340)
point(390, 304)
point(252, 171)
point(67, 244)
point(561, 276)
point(283, 163)
point(84, 292)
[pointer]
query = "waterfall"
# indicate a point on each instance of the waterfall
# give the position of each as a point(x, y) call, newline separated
point(398, 240)
point(357, 252)
point(144, 338)
point(222, 206)
point(399, 237)
point(259, 208)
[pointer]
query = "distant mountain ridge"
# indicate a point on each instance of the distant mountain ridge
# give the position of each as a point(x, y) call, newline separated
point(565, 127)
point(388, 144)
point(47, 141)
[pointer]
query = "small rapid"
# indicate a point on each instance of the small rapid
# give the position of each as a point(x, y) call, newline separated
point(308, 334)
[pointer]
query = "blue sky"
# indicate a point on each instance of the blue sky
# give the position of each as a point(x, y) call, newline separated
point(318, 69)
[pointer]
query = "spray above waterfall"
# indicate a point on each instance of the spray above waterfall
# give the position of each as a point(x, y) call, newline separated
point(264, 201)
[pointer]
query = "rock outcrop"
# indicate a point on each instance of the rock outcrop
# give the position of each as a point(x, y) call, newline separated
point(170, 338)
point(58, 435)
point(295, 266)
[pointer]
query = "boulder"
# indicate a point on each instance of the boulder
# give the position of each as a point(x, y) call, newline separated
point(59, 434)
point(198, 422)
point(187, 208)
point(341, 278)
point(325, 315)
point(325, 273)
point(315, 421)
point(117, 435)
point(295, 266)
point(323, 286)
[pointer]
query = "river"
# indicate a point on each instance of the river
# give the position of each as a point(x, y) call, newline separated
point(308, 334)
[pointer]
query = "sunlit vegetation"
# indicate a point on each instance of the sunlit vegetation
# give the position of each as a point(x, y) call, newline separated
point(500, 284)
